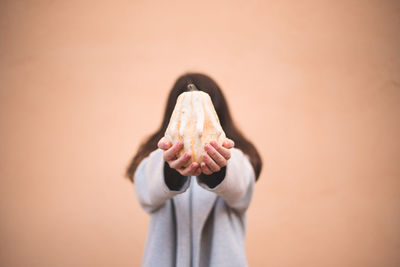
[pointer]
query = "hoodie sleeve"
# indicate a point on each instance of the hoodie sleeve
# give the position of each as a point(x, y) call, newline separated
point(235, 183)
point(152, 187)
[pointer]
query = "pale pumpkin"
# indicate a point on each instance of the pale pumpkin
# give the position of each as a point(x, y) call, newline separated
point(195, 122)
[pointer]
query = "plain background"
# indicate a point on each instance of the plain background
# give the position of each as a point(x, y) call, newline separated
point(314, 84)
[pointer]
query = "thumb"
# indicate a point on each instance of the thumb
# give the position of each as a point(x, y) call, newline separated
point(228, 143)
point(164, 144)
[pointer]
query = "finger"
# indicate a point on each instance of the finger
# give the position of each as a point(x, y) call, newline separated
point(221, 150)
point(228, 143)
point(205, 169)
point(189, 169)
point(197, 172)
point(164, 144)
point(211, 163)
point(215, 155)
point(180, 162)
point(170, 154)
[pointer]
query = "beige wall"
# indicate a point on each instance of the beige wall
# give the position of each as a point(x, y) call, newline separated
point(314, 85)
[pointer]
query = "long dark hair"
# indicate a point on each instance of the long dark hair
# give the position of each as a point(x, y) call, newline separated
point(208, 85)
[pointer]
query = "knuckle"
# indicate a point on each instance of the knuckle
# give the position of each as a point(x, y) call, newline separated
point(213, 152)
point(186, 158)
point(173, 165)
point(218, 148)
point(185, 171)
point(177, 148)
point(209, 163)
point(168, 155)
point(180, 160)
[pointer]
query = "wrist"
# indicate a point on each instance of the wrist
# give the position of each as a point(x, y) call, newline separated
point(173, 179)
point(213, 179)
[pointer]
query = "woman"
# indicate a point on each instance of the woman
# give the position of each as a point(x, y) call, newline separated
point(198, 213)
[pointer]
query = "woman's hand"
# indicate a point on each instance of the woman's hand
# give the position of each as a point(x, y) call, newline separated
point(216, 156)
point(170, 152)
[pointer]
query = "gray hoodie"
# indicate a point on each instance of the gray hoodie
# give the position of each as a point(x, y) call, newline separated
point(195, 225)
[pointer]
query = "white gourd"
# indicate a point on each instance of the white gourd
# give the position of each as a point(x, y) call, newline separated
point(195, 122)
